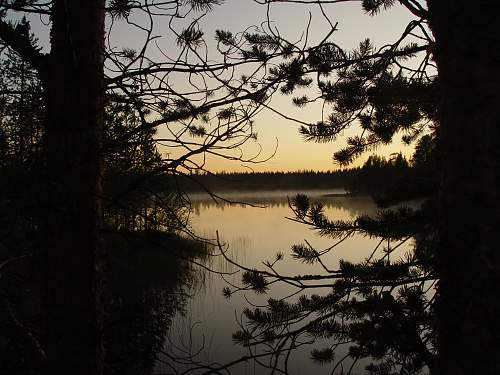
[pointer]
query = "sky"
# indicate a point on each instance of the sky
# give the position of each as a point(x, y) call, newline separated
point(278, 137)
point(293, 153)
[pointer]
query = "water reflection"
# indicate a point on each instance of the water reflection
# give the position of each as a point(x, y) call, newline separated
point(167, 316)
point(331, 199)
point(254, 235)
point(147, 285)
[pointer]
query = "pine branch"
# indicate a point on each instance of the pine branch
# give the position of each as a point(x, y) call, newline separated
point(20, 42)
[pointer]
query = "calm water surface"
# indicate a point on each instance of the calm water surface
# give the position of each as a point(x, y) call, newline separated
point(253, 235)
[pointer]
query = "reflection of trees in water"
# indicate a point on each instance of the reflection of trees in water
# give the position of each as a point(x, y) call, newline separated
point(147, 286)
point(137, 326)
point(354, 205)
point(147, 282)
point(21, 295)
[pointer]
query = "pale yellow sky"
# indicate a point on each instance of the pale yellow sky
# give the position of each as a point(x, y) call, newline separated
point(292, 152)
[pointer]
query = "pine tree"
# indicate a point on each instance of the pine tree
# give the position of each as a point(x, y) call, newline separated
point(22, 105)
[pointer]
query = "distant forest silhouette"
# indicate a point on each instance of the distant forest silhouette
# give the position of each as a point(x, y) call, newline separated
point(377, 177)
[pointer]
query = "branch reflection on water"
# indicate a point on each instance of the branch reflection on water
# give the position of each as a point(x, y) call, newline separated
point(251, 235)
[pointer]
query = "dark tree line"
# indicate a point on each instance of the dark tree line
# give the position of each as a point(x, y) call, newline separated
point(23, 214)
point(387, 180)
point(234, 181)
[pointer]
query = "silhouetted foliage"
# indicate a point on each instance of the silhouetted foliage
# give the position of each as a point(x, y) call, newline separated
point(146, 287)
point(382, 308)
point(388, 310)
point(62, 119)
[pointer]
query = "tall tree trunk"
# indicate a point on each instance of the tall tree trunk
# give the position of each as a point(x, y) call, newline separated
point(468, 61)
point(75, 89)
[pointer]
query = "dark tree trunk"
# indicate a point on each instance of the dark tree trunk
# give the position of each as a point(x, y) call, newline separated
point(75, 89)
point(468, 57)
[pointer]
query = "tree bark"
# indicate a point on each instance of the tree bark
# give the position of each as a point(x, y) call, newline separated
point(468, 60)
point(75, 91)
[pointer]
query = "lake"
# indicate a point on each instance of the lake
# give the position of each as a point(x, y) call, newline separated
point(252, 235)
